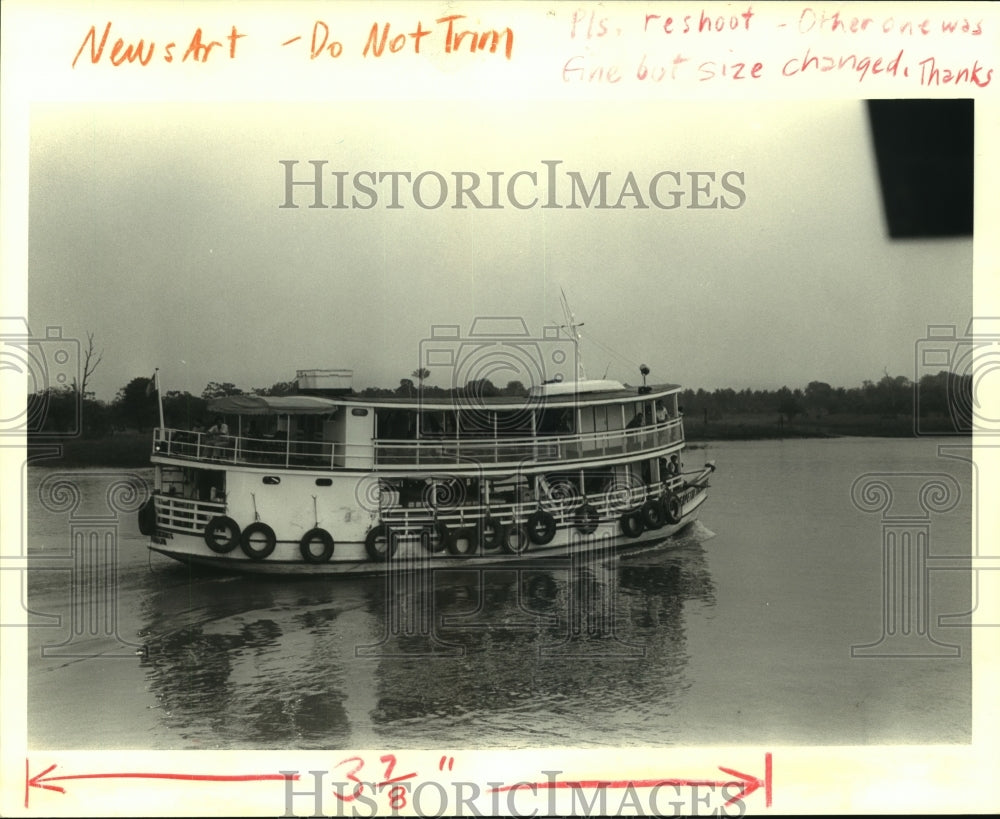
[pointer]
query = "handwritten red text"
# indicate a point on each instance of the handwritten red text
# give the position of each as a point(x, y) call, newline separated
point(455, 39)
point(701, 23)
point(122, 51)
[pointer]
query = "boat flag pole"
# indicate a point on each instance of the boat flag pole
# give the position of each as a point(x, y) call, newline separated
point(154, 384)
point(572, 326)
point(159, 398)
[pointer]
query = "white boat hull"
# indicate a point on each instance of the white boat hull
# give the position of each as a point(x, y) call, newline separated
point(351, 558)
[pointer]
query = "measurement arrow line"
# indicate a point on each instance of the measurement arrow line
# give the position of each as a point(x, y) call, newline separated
point(40, 780)
point(747, 783)
point(618, 783)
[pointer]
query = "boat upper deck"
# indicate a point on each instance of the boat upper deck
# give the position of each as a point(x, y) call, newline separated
point(558, 423)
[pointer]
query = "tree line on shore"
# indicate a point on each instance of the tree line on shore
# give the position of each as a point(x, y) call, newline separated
point(942, 400)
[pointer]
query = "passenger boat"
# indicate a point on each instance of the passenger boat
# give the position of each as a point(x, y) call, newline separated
point(328, 480)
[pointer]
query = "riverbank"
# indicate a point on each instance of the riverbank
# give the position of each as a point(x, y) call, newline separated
point(761, 427)
point(126, 450)
point(131, 450)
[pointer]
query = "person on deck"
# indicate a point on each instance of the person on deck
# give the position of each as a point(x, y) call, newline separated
point(218, 437)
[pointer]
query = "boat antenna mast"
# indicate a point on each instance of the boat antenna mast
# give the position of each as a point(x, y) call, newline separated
point(573, 327)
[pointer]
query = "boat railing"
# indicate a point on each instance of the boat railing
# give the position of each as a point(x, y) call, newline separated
point(543, 448)
point(608, 506)
point(425, 453)
point(279, 452)
point(191, 516)
point(186, 514)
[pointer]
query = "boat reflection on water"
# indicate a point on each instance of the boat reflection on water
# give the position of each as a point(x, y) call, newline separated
point(505, 656)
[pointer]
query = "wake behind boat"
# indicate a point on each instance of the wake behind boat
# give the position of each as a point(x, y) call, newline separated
point(329, 481)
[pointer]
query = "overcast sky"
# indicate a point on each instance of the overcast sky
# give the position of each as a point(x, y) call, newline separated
point(158, 228)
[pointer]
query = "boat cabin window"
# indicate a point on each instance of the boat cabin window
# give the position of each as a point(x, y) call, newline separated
point(599, 480)
point(435, 422)
point(446, 493)
point(396, 424)
point(514, 423)
point(556, 421)
point(308, 427)
point(475, 423)
point(563, 485)
point(601, 418)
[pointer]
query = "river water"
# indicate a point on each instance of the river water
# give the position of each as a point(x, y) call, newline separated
point(771, 620)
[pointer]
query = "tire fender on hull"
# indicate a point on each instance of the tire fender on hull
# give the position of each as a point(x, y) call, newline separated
point(585, 519)
point(464, 540)
point(490, 533)
point(222, 534)
point(381, 543)
point(147, 517)
point(313, 536)
point(258, 541)
point(434, 537)
point(517, 539)
point(653, 514)
point(672, 508)
point(631, 523)
point(541, 527)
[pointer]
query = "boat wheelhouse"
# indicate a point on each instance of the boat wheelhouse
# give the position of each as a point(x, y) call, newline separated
point(331, 481)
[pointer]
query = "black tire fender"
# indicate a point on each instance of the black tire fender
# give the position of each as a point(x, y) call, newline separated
point(443, 535)
point(222, 534)
point(434, 537)
point(310, 537)
point(517, 539)
point(541, 527)
point(147, 517)
point(654, 514)
point(468, 535)
point(632, 524)
point(253, 531)
point(672, 508)
point(585, 519)
point(381, 543)
point(490, 532)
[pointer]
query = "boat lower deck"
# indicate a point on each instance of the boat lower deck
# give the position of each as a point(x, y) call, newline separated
point(509, 545)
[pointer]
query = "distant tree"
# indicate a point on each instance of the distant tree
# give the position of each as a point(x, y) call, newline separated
point(182, 409)
point(53, 410)
point(482, 388)
point(278, 388)
point(893, 395)
point(789, 404)
point(421, 374)
point(97, 418)
point(515, 388)
point(933, 393)
point(960, 402)
point(819, 397)
point(377, 392)
point(405, 387)
point(90, 362)
point(216, 390)
point(134, 406)
point(724, 400)
point(946, 399)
